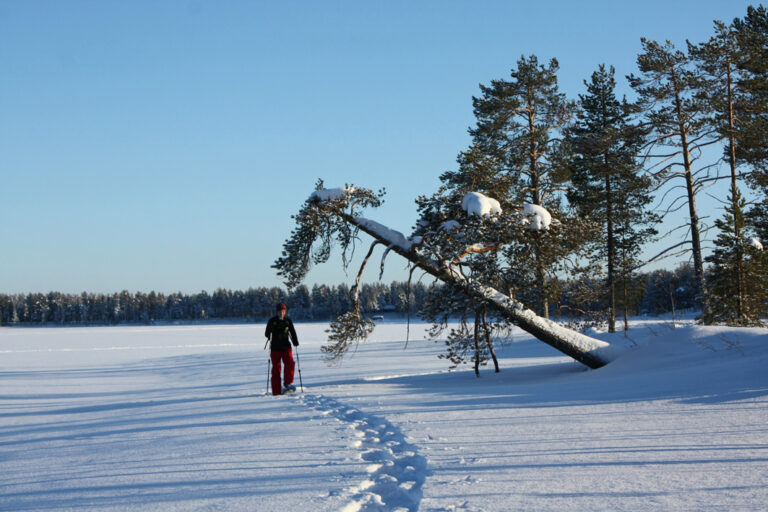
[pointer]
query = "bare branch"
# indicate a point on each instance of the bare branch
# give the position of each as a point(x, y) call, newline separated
point(665, 251)
point(477, 249)
point(356, 287)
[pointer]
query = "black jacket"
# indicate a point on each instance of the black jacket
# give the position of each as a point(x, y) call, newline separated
point(279, 332)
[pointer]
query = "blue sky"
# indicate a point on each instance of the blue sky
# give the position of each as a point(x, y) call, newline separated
point(164, 145)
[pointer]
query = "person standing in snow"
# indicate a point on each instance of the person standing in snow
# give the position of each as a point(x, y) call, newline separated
point(281, 332)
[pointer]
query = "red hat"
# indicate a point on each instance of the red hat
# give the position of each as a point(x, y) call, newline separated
point(281, 305)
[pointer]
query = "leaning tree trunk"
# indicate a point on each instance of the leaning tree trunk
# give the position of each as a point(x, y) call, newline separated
point(588, 351)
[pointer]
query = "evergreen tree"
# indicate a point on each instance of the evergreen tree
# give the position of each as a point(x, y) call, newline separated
point(512, 160)
point(751, 34)
point(519, 123)
point(321, 302)
point(678, 122)
point(301, 302)
point(739, 276)
point(752, 129)
point(727, 89)
point(607, 186)
point(14, 314)
point(666, 290)
point(477, 172)
point(719, 87)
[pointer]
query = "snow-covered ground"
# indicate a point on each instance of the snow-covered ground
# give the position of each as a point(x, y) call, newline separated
point(176, 418)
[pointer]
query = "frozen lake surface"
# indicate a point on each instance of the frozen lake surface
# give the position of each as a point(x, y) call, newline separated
point(176, 418)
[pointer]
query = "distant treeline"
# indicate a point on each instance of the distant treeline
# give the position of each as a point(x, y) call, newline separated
point(653, 293)
point(321, 302)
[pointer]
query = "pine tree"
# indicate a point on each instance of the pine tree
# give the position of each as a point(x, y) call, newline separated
point(733, 92)
point(519, 122)
point(678, 120)
point(510, 160)
point(752, 130)
point(607, 186)
point(719, 88)
point(738, 280)
point(751, 34)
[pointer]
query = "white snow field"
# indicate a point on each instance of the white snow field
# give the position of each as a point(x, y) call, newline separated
point(176, 418)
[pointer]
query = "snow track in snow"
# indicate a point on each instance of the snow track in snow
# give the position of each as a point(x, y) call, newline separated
point(396, 471)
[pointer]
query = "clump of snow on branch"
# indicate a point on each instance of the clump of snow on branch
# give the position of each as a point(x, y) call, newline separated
point(480, 205)
point(754, 242)
point(330, 194)
point(392, 236)
point(536, 217)
point(449, 225)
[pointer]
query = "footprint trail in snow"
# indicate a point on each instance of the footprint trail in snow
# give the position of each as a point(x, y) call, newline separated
point(396, 471)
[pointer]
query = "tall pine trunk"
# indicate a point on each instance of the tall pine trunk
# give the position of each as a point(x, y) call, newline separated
point(611, 251)
point(698, 262)
point(734, 190)
point(541, 276)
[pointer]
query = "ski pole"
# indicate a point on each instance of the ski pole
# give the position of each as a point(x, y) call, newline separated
point(298, 366)
point(269, 364)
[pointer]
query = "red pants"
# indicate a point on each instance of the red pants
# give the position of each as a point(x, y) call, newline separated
point(286, 356)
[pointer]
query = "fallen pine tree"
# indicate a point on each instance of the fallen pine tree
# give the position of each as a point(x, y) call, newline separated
point(332, 216)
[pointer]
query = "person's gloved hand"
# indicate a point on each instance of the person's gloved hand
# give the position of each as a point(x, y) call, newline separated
point(295, 343)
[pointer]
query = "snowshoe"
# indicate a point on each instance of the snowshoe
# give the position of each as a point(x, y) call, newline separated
point(290, 388)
